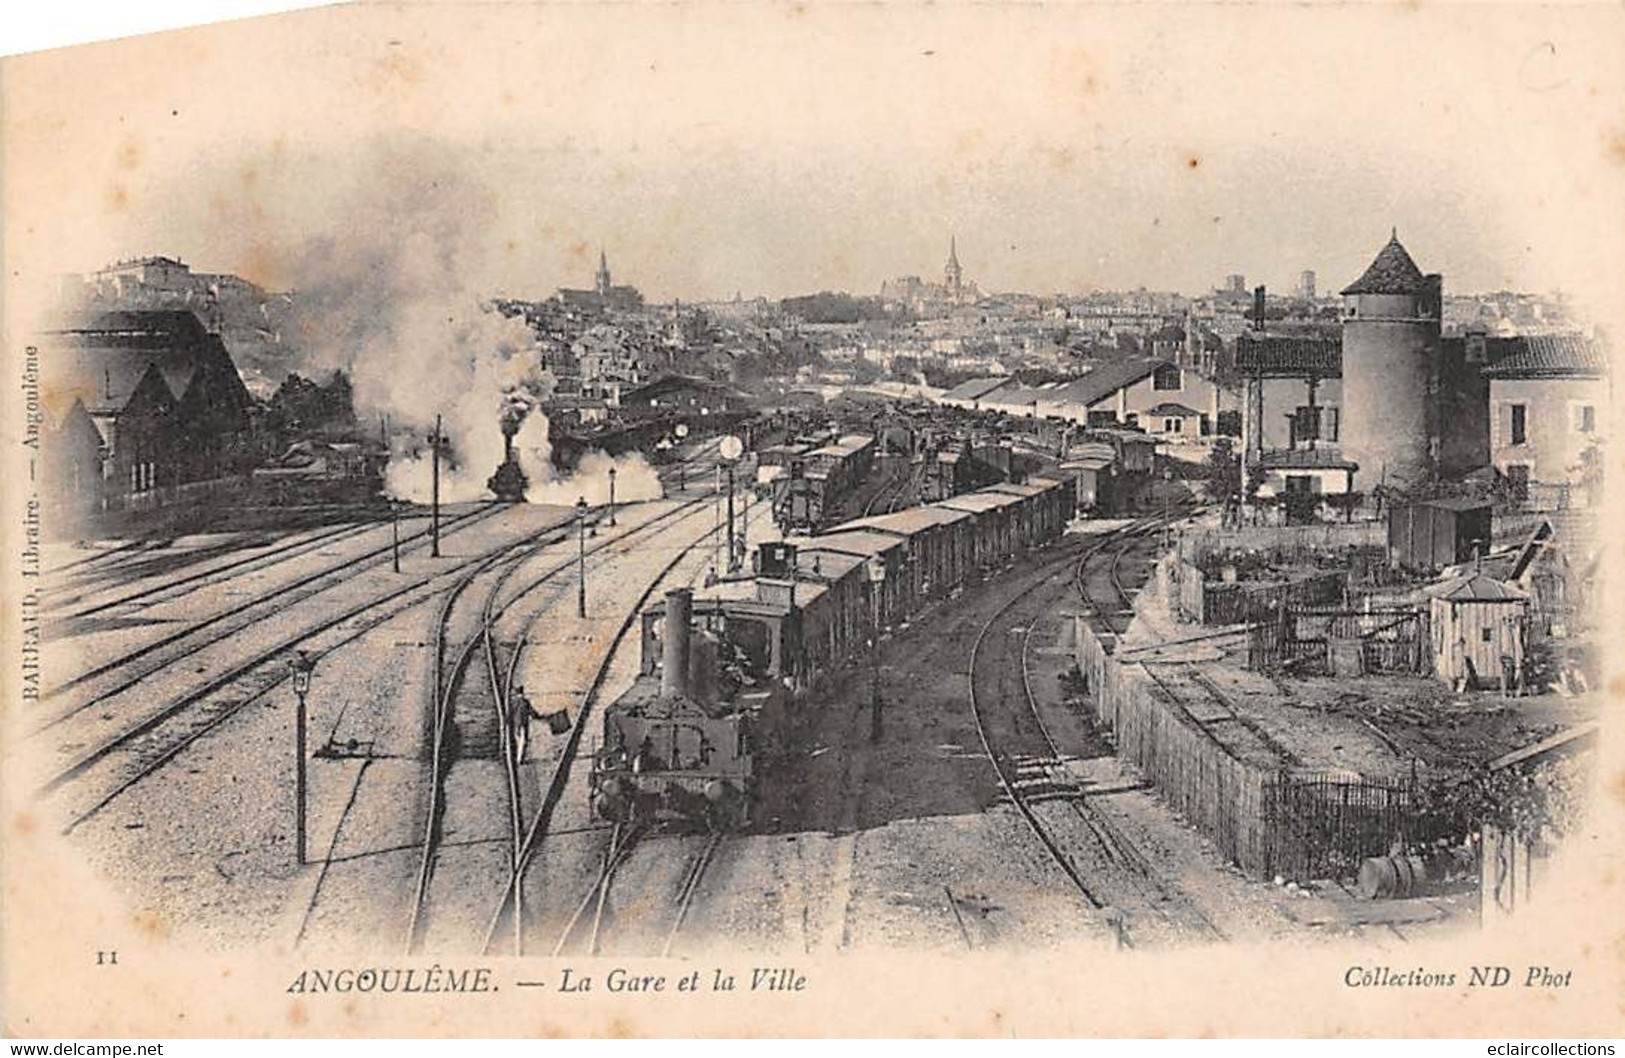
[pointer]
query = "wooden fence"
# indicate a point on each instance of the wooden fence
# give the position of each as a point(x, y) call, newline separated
point(1324, 826)
point(1396, 640)
point(1263, 817)
point(1213, 602)
point(1196, 544)
point(1216, 793)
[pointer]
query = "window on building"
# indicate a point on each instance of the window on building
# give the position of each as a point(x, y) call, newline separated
point(1305, 424)
point(1168, 376)
point(1518, 481)
point(1585, 418)
point(1519, 433)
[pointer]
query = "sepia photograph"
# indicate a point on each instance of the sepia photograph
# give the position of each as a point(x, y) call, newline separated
point(816, 520)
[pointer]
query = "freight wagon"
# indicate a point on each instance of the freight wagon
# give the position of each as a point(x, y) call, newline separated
point(816, 490)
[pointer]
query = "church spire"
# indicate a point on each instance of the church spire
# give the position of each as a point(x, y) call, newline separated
point(951, 272)
point(603, 281)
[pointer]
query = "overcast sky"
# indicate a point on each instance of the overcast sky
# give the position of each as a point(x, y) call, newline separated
point(783, 150)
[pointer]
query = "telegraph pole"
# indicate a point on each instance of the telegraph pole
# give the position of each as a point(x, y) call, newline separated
point(581, 557)
point(395, 535)
point(733, 561)
point(434, 525)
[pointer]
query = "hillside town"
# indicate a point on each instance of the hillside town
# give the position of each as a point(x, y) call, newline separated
point(1327, 638)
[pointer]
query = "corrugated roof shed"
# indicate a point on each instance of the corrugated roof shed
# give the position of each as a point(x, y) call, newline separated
point(1105, 380)
point(975, 388)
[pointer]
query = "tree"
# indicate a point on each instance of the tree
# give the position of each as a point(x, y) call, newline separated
point(1224, 472)
point(302, 409)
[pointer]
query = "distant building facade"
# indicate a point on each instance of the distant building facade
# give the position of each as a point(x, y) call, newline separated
point(605, 295)
point(145, 403)
point(1548, 396)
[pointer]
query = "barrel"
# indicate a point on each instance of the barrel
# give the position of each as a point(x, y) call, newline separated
point(1390, 877)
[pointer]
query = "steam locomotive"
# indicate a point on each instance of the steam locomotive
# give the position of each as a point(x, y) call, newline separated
point(721, 694)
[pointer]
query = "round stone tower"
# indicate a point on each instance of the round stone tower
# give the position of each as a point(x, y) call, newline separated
point(1390, 370)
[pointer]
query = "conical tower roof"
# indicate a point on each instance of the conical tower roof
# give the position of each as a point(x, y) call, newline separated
point(1393, 272)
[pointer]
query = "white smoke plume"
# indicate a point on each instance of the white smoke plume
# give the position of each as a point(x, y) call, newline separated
point(389, 300)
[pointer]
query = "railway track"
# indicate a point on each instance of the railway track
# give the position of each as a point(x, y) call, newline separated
point(138, 751)
point(286, 595)
point(79, 568)
point(1116, 845)
point(261, 559)
point(622, 840)
point(508, 918)
point(500, 689)
point(1026, 757)
point(886, 498)
point(590, 911)
point(691, 885)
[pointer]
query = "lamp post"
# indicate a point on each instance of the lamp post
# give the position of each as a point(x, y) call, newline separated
point(877, 577)
point(731, 448)
point(612, 496)
point(581, 557)
point(302, 665)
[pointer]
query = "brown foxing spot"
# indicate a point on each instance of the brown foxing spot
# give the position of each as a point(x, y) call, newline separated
point(262, 265)
point(1193, 161)
point(150, 923)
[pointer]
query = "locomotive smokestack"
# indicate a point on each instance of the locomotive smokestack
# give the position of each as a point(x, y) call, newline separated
point(674, 658)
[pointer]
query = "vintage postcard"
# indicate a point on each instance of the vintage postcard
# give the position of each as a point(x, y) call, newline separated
point(801, 519)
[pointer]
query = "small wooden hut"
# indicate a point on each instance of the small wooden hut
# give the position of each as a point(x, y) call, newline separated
point(1432, 534)
point(1478, 628)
